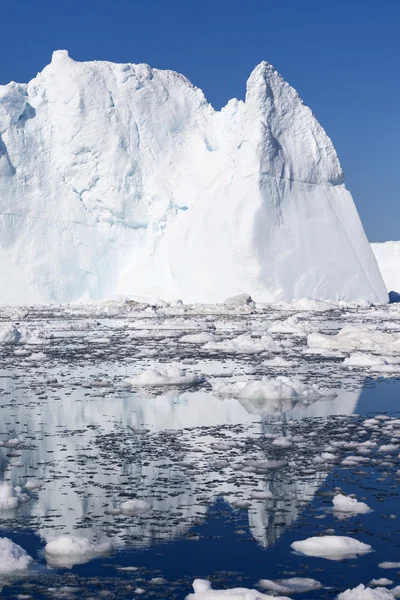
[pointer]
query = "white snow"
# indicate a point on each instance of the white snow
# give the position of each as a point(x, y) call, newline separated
point(13, 557)
point(364, 593)
point(141, 188)
point(346, 504)
point(203, 591)
point(333, 547)
point(388, 256)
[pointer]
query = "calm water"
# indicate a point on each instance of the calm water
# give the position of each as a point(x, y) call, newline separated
point(200, 461)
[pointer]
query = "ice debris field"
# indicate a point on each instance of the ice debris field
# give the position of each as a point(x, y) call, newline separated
point(238, 450)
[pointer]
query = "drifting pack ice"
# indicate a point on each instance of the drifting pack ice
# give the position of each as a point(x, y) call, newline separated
point(120, 179)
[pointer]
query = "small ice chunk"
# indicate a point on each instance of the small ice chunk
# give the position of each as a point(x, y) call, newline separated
point(260, 495)
point(69, 550)
point(11, 497)
point(134, 507)
point(32, 485)
point(332, 547)
point(364, 593)
point(13, 557)
point(10, 335)
point(346, 504)
point(293, 585)
point(203, 591)
point(165, 376)
point(197, 338)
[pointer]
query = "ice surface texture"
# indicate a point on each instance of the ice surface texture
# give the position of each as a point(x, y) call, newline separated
point(388, 256)
point(123, 180)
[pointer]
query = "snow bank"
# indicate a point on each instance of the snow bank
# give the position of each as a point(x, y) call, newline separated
point(333, 547)
point(203, 591)
point(164, 376)
point(387, 255)
point(248, 200)
point(346, 504)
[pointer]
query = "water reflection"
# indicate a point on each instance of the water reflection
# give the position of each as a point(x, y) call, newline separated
point(92, 449)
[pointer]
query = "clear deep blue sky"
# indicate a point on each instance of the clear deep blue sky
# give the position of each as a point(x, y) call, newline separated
point(341, 55)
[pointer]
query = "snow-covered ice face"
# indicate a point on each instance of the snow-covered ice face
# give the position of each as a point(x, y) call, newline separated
point(126, 424)
point(208, 205)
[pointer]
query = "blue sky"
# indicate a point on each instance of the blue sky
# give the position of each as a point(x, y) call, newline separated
point(342, 56)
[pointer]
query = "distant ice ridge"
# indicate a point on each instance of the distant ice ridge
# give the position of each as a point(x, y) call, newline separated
point(123, 180)
point(388, 256)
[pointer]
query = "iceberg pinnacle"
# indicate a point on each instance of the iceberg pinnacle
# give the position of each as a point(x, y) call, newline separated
point(120, 179)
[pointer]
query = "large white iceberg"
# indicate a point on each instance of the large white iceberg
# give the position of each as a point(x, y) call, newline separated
point(388, 256)
point(120, 179)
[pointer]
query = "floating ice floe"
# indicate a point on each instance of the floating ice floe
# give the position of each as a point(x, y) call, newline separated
point(389, 565)
point(165, 376)
point(278, 362)
point(332, 547)
point(11, 497)
point(198, 338)
point(134, 507)
point(364, 593)
point(382, 581)
point(13, 558)
point(346, 504)
point(351, 338)
point(271, 389)
point(203, 591)
point(32, 485)
point(293, 585)
point(10, 335)
point(292, 325)
point(69, 550)
point(245, 344)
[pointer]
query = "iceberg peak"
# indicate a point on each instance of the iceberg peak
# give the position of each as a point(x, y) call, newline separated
point(60, 55)
point(139, 187)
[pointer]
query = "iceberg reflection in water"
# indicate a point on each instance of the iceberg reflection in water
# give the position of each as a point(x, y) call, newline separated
point(177, 452)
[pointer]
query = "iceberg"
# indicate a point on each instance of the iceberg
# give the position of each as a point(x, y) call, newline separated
point(122, 180)
point(388, 256)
